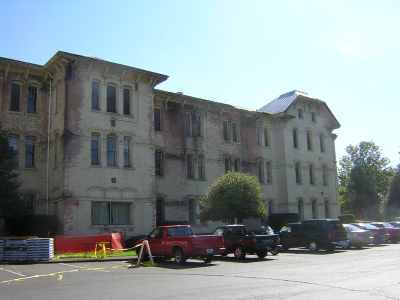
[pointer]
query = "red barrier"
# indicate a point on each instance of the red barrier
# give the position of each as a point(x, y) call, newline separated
point(86, 243)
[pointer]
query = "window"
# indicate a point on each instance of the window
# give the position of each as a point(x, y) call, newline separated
point(235, 136)
point(300, 113)
point(15, 95)
point(297, 168)
point(314, 209)
point(300, 208)
point(110, 213)
point(29, 152)
point(95, 95)
point(193, 123)
point(127, 101)
point(327, 210)
point(157, 119)
point(111, 150)
point(159, 162)
point(228, 164)
point(270, 207)
point(95, 149)
point(266, 137)
point(311, 174)
point(236, 165)
point(179, 231)
point(259, 136)
point(260, 171)
point(127, 152)
point(313, 117)
point(111, 99)
point(324, 175)
point(190, 166)
point(309, 141)
point(268, 166)
point(32, 99)
point(201, 167)
point(13, 144)
point(295, 139)
point(322, 143)
point(226, 131)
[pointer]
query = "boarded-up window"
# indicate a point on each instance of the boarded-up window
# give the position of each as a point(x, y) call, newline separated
point(111, 99)
point(159, 162)
point(157, 119)
point(95, 95)
point(32, 99)
point(127, 101)
point(15, 96)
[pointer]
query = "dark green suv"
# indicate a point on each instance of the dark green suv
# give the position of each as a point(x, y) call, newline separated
point(314, 234)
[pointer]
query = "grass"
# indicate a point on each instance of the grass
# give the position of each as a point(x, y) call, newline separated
point(117, 253)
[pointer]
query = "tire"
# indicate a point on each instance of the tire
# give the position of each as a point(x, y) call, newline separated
point(274, 251)
point(262, 254)
point(207, 259)
point(239, 253)
point(179, 256)
point(313, 246)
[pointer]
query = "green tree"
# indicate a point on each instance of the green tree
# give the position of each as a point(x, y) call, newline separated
point(364, 176)
point(10, 204)
point(393, 203)
point(233, 196)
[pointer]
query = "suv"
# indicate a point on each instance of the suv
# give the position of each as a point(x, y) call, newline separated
point(314, 234)
point(239, 241)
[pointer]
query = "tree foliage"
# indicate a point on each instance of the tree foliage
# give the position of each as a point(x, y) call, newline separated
point(364, 176)
point(9, 196)
point(233, 196)
point(393, 203)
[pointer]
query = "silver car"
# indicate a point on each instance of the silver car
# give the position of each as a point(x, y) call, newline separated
point(357, 237)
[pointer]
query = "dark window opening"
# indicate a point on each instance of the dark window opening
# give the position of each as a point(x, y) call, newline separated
point(159, 162)
point(29, 152)
point(157, 119)
point(127, 102)
point(111, 99)
point(32, 99)
point(15, 96)
point(95, 95)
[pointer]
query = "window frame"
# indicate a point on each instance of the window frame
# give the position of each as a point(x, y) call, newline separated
point(109, 213)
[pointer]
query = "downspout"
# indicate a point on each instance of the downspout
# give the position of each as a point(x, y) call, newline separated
point(48, 146)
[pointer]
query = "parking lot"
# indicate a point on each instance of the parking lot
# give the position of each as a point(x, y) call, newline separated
point(370, 273)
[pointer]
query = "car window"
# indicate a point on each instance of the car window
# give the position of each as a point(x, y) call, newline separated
point(179, 231)
point(219, 232)
point(286, 229)
point(156, 233)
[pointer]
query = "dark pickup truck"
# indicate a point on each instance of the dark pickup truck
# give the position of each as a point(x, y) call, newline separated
point(314, 234)
point(239, 241)
point(179, 242)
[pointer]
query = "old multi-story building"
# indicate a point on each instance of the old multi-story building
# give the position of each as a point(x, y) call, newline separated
point(101, 148)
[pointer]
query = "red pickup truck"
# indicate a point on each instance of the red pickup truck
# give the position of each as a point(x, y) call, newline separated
point(179, 242)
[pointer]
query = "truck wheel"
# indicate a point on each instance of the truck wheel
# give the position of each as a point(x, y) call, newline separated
point(207, 259)
point(262, 254)
point(179, 256)
point(239, 253)
point(313, 246)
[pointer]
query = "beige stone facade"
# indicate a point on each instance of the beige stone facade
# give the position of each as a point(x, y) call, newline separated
point(112, 153)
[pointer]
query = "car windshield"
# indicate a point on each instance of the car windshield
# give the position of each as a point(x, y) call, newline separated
point(350, 227)
point(367, 226)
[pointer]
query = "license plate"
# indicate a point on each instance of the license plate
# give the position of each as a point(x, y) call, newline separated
point(210, 251)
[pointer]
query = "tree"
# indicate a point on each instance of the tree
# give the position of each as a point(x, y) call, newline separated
point(233, 196)
point(10, 204)
point(393, 203)
point(364, 177)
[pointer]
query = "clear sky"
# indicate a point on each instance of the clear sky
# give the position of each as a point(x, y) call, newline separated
point(245, 53)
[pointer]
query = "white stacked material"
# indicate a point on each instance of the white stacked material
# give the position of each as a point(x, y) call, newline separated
point(40, 249)
point(1, 249)
point(33, 249)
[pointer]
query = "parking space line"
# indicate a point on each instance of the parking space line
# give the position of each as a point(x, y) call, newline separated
point(71, 265)
point(12, 272)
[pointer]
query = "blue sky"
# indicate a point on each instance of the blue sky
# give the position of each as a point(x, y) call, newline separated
point(245, 53)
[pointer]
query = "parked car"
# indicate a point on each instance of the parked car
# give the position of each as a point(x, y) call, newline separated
point(179, 242)
point(357, 237)
point(393, 233)
point(314, 234)
point(239, 241)
point(395, 224)
point(379, 234)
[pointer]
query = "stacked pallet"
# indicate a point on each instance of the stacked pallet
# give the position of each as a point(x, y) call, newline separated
point(32, 249)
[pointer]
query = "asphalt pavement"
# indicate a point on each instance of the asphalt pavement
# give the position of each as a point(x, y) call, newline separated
point(371, 273)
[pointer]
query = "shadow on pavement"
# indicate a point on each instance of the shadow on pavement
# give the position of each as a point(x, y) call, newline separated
point(246, 260)
point(319, 252)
